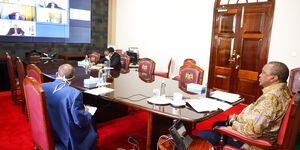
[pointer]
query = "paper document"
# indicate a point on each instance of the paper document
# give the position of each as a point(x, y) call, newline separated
point(228, 97)
point(91, 109)
point(207, 104)
point(99, 91)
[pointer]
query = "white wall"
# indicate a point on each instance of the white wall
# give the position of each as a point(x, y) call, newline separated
point(285, 38)
point(182, 29)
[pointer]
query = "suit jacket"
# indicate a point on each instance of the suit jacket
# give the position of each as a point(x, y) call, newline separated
point(12, 31)
point(115, 61)
point(72, 126)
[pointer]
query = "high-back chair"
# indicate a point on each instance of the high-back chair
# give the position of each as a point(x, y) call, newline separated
point(286, 136)
point(21, 76)
point(94, 57)
point(14, 83)
point(188, 61)
point(294, 81)
point(119, 51)
point(38, 115)
point(165, 74)
point(146, 69)
point(190, 74)
point(125, 62)
point(35, 72)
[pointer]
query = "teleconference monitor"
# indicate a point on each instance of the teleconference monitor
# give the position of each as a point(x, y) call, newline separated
point(61, 21)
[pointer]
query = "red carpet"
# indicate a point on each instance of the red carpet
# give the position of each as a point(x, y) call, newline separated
point(15, 132)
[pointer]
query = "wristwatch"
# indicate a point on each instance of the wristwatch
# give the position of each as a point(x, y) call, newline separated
point(231, 122)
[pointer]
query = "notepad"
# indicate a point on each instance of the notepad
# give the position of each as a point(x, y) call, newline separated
point(207, 104)
point(91, 109)
point(228, 97)
point(99, 91)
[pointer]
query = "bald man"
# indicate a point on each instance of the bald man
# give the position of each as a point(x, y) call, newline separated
point(72, 126)
point(262, 118)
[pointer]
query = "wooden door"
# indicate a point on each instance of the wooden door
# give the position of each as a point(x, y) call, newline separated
point(240, 43)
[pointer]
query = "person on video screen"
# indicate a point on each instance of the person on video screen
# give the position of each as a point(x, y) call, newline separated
point(15, 30)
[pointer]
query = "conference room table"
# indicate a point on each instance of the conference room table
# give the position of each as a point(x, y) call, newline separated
point(131, 91)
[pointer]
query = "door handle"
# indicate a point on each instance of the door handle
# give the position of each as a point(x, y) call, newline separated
point(232, 54)
point(237, 66)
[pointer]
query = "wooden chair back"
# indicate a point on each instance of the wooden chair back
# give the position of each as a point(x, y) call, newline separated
point(146, 69)
point(21, 76)
point(125, 62)
point(190, 74)
point(11, 72)
point(35, 72)
point(38, 115)
point(294, 81)
point(189, 61)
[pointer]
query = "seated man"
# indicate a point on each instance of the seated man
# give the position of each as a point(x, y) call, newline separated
point(72, 126)
point(115, 59)
point(261, 119)
point(15, 31)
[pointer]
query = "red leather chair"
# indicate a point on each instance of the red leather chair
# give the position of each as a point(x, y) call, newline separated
point(286, 136)
point(38, 115)
point(35, 72)
point(190, 74)
point(14, 83)
point(125, 62)
point(165, 74)
point(146, 69)
point(187, 61)
point(21, 76)
point(94, 57)
point(294, 81)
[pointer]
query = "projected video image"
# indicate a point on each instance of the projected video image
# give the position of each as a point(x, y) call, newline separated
point(45, 21)
point(17, 28)
point(17, 12)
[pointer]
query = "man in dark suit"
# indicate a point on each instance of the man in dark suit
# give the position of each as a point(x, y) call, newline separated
point(110, 55)
point(15, 31)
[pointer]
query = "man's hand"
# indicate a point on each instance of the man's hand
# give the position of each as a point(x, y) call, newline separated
point(100, 65)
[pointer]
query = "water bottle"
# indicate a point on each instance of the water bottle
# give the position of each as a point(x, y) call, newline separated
point(163, 89)
point(100, 76)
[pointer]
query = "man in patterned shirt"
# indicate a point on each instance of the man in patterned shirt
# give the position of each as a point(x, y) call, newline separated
point(261, 119)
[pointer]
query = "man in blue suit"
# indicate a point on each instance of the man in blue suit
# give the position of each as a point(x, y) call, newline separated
point(72, 126)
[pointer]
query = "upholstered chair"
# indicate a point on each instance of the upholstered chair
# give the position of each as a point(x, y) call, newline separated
point(294, 81)
point(35, 72)
point(190, 74)
point(286, 136)
point(14, 82)
point(146, 69)
point(21, 76)
point(38, 115)
point(188, 61)
point(125, 62)
point(94, 57)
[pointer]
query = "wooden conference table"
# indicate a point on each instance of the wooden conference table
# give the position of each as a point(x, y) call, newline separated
point(130, 90)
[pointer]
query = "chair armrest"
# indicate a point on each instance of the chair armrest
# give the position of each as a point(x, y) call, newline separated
point(240, 137)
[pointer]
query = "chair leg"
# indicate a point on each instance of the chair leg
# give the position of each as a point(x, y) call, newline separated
point(14, 96)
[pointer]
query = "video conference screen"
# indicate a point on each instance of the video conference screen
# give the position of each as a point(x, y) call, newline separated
point(61, 21)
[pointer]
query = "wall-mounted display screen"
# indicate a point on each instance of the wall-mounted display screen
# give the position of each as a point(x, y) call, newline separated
point(63, 21)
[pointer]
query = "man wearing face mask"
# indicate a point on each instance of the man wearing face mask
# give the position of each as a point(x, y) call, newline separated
point(110, 55)
point(72, 127)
